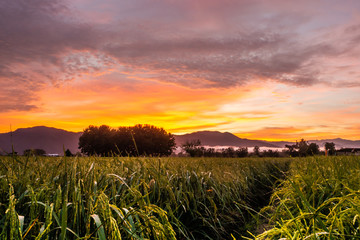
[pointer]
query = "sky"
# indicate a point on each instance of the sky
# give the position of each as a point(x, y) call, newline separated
point(271, 70)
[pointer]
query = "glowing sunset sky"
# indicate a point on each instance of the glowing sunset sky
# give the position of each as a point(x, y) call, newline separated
point(275, 69)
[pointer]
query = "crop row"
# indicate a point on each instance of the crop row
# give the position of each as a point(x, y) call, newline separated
point(132, 198)
point(179, 198)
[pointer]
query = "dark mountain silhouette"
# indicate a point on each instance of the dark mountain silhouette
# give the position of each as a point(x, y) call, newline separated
point(281, 144)
point(214, 138)
point(52, 140)
point(339, 143)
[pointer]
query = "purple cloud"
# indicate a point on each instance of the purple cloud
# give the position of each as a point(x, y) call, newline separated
point(201, 44)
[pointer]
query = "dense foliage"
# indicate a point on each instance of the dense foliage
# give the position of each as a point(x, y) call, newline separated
point(139, 140)
point(303, 149)
point(135, 198)
point(194, 149)
point(37, 152)
point(319, 199)
point(179, 198)
point(330, 148)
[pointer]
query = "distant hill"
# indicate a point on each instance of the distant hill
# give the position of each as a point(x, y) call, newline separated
point(339, 143)
point(51, 140)
point(281, 144)
point(214, 138)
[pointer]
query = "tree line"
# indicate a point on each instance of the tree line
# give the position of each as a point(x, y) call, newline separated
point(42, 152)
point(301, 148)
point(194, 148)
point(139, 140)
point(148, 140)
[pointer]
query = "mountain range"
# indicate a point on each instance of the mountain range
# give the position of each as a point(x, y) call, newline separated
point(214, 138)
point(54, 140)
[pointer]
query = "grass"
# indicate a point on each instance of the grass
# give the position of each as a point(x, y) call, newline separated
point(179, 198)
point(320, 199)
point(132, 198)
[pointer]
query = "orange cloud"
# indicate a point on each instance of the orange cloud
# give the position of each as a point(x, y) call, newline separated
point(75, 106)
point(250, 112)
point(183, 65)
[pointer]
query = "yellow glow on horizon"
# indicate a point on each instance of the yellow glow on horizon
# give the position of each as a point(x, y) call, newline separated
point(176, 109)
point(265, 112)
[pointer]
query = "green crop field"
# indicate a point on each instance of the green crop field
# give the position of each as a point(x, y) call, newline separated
point(179, 198)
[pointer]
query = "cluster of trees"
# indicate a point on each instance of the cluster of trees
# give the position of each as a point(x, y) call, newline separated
point(265, 153)
point(299, 149)
point(330, 148)
point(36, 152)
point(139, 140)
point(68, 153)
point(42, 152)
point(194, 149)
point(302, 149)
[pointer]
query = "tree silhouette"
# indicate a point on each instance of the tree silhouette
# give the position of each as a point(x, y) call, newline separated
point(270, 153)
point(229, 152)
point(193, 148)
point(68, 153)
point(36, 152)
point(303, 147)
point(151, 140)
point(130, 141)
point(330, 148)
point(292, 150)
point(313, 149)
point(242, 152)
point(97, 140)
point(257, 151)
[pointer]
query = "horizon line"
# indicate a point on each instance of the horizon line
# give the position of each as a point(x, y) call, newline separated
point(181, 134)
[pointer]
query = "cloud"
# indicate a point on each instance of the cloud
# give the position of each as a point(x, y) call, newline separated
point(222, 62)
point(255, 47)
point(198, 127)
point(36, 39)
point(197, 44)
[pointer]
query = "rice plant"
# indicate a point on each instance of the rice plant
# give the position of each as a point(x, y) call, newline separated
point(133, 198)
point(319, 199)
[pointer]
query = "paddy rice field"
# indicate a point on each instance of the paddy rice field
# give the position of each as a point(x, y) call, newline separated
point(179, 198)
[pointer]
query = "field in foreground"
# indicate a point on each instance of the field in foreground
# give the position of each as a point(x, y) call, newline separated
point(179, 198)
